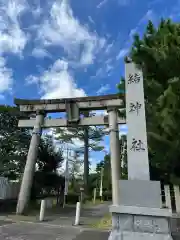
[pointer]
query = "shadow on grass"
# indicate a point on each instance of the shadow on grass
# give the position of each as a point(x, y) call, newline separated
point(8, 206)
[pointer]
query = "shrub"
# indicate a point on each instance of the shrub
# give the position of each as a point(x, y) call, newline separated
point(72, 197)
point(107, 195)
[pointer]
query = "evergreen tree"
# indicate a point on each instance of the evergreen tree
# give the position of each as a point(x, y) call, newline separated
point(157, 53)
point(90, 136)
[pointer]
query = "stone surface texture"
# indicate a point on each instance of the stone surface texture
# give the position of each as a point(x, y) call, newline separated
point(140, 211)
point(136, 223)
point(137, 149)
point(140, 193)
point(138, 236)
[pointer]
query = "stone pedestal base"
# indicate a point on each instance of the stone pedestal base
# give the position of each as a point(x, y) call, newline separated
point(140, 223)
point(140, 193)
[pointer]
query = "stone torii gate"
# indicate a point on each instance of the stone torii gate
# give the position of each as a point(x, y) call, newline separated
point(72, 107)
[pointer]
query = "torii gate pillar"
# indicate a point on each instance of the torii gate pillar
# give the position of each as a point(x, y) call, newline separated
point(28, 175)
point(115, 155)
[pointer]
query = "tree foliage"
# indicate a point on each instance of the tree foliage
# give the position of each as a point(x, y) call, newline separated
point(14, 145)
point(49, 159)
point(90, 136)
point(105, 164)
point(95, 135)
point(157, 53)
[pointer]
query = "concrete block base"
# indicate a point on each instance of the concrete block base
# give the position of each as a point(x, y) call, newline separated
point(138, 236)
point(137, 223)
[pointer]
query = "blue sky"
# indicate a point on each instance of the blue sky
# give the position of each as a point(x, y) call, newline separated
point(70, 48)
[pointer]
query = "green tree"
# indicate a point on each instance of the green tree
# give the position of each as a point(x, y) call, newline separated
point(90, 136)
point(14, 147)
point(14, 143)
point(106, 165)
point(75, 164)
point(157, 53)
point(49, 159)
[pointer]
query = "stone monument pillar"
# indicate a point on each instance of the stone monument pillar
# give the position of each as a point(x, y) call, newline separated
point(27, 179)
point(139, 214)
point(137, 150)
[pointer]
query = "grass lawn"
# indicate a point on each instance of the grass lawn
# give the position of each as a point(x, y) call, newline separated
point(91, 203)
point(26, 218)
point(103, 223)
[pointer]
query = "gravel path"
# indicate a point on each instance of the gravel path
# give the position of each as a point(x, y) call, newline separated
point(57, 226)
point(88, 215)
point(34, 231)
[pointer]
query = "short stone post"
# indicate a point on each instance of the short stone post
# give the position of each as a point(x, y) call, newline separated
point(94, 196)
point(42, 210)
point(101, 185)
point(27, 180)
point(177, 198)
point(167, 196)
point(78, 210)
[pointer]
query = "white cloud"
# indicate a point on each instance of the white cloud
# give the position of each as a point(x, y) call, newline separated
point(109, 66)
point(105, 69)
point(5, 77)
point(57, 82)
point(93, 165)
point(37, 11)
point(103, 89)
point(60, 65)
point(12, 38)
point(102, 3)
point(122, 3)
point(123, 129)
point(40, 53)
point(122, 53)
point(91, 20)
point(64, 30)
point(88, 54)
point(32, 80)
point(133, 32)
point(99, 73)
point(150, 15)
point(121, 133)
point(77, 143)
point(109, 47)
